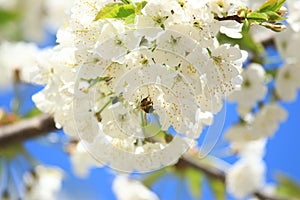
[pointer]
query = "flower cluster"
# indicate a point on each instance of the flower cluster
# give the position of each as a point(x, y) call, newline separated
point(287, 78)
point(263, 124)
point(129, 71)
point(252, 90)
point(240, 179)
point(260, 111)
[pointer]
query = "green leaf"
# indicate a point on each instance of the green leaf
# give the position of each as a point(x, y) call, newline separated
point(257, 16)
point(245, 43)
point(246, 26)
point(139, 7)
point(280, 3)
point(138, 11)
point(126, 1)
point(130, 19)
point(12, 151)
point(288, 188)
point(268, 15)
point(125, 10)
point(271, 5)
point(218, 188)
point(195, 179)
point(8, 16)
point(32, 113)
point(115, 10)
point(153, 177)
point(248, 43)
point(272, 73)
point(274, 16)
point(268, 5)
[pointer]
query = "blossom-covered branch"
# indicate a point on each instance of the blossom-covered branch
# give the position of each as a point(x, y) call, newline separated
point(43, 124)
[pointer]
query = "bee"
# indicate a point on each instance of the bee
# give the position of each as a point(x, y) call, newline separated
point(147, 105)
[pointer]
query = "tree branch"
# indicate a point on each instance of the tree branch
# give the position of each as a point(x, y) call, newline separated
point(25, 129)
point(43, 124)
point(190, 161)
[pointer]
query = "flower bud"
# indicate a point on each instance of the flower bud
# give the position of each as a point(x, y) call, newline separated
point(283, 10)
point(277, 27)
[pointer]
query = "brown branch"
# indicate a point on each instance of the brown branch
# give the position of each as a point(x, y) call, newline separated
point(232, 17)
point(29, 128)
point(263, 196)
point(25, 129)
point(191, 161)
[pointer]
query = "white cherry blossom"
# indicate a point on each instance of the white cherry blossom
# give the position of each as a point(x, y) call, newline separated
point(82, 161)
point(263, 124)
point(225, 7)
point(294, 16)
point(245, 177)
point(163, 13)
point(58, 72)
point(252, 90)
point(56, 12)
point(268, 118)
point(287, 81)
point(231, 28)
point(126, 188)
point(42, 183)
point(25, 53)
point(287, 43)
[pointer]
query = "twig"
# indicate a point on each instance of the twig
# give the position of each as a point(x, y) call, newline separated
point(232, 17)
point(29, 128)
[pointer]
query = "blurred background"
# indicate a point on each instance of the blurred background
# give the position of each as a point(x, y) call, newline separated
point(38, 24)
